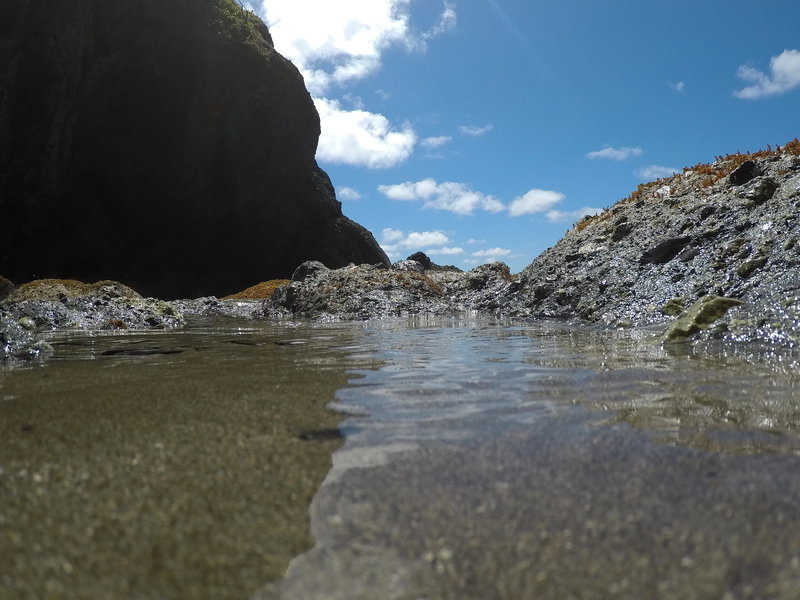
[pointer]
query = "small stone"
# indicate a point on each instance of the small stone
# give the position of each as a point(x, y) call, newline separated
point(699, 317)
point(744, 173)
point(665, 251)
point(411, 266)
point(308, 269)
point(748, 267)
point(674, 306)
point(27, 323)
point(762, 190)
point(422, 259)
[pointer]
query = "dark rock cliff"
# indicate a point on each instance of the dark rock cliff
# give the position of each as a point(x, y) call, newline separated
point(163, 144)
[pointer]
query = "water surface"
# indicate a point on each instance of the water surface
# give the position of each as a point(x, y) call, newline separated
point(494, 461)
point(465, 459)
point(164, 464)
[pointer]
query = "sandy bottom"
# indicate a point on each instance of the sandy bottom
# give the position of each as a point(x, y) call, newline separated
point(162, 465)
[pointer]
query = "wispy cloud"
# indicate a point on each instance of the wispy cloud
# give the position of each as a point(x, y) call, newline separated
point(570, 216)
point(609, 153)
point(361, 138)
point(348, 193)
point(476, 130)
point(396, 243)
point(783, 76)
point(448, 196)
point(493, 253)
point(445, 251)
point(678, 86)
point(534, 201)
point(656, 172)
point(436, 142)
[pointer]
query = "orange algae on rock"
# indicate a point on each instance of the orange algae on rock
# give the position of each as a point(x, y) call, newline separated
point(54, 289)
point(259, 291)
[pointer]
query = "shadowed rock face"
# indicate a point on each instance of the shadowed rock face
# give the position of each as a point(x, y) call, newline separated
point(164, 144)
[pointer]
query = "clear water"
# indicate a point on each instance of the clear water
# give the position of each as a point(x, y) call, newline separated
point(493, 460)
point(504, 461)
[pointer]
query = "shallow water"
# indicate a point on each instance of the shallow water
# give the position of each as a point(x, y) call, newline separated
point(480, 460)
point(496, 461)
point(164, 464)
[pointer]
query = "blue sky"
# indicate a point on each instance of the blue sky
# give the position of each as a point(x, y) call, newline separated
point(480, 130)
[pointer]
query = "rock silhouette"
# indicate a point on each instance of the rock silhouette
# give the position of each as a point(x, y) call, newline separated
point(164, 144)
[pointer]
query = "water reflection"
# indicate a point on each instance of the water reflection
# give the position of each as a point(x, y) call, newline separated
point(526, 462)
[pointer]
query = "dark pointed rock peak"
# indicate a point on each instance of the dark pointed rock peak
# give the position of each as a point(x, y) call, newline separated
point(164, 144)
point(744, 172)
point(422, 259)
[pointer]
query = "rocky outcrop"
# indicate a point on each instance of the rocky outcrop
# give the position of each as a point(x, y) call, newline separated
point(54, 304)
point(728, 229)
point(360, 292)
point(164, 144)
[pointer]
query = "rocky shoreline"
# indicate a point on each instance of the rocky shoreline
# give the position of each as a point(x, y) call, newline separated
point(708, 254)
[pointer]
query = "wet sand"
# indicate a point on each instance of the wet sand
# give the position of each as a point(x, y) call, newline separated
point(142, 474)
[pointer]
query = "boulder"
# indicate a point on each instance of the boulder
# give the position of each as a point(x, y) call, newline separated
point(6, 288)
point(164, 144)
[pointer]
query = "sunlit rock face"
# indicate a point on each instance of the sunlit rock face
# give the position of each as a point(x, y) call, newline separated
point(163, 144)
point(724, 234)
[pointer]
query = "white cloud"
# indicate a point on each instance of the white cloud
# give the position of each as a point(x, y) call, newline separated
point(390, 236)
point(492, 253)
point(560, 216)
point(656, 172)
point(396, 243)
point(474, 241)
point(610, 153)
point(475, 130)
point(344, 41)
point(784, 75)
point(436, 142)
point(450, 196)
point(361, 138)
point(445, 251)
point(679, 87)
point(348, 193)
point(534, 201)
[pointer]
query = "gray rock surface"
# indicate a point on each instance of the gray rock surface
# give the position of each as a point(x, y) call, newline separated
point(49, 305)
point(373, 291)
point(18, 338)
point(728, 229)
point(163, 144)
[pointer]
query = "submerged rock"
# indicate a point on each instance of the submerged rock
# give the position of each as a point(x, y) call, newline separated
point(699, 317)
point(165, 144)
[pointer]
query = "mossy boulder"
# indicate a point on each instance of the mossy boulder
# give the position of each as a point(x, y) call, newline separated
point(699, 317)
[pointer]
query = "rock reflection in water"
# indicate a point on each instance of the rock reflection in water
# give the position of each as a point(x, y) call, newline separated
point(549, 476)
